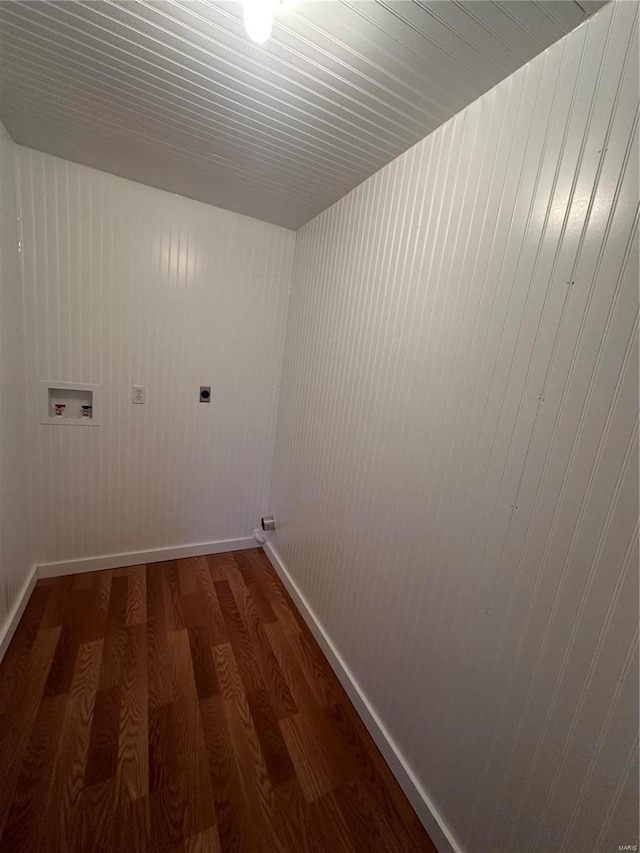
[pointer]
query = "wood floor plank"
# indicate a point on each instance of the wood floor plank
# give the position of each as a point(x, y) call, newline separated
point(239, 638)
point(133, 754)
point(63, 663)
point(261, 603)
point(280, 642)
point(247, 750)
point(102, 758)
point(314, 668)
point(218, 563)
point(204, 670)
point(81, 614)
point(245, 564)
point(136, 613)
point(275, 680)
point(373, 828)
point(194, 612)
point(185, 707)
point(375, 773)
point(229, 800)
point(97, 830)
point(237, 581)
point(293, 818)
point(173, 600)
point(253, 774)
point(187, 576)
point(67, 778)
point(133, 825)
point(19, 713)
point(167, 817)
point(272, 587)
point(192, 762)
point(57, 605)
point(250, 610)
point(329, 825)
point(206, 841)
point(24, 825)
point(260, 650)
point(116, 634)
point(211, 606)
point(284, 617)
point(227, 672)
point(162, 751)
point(99, 610)
point(83, 581)
point(157, 645)
point(274, 750)
point(312, 768)
point(15, 659)
point(87, 607)
point(364, 830)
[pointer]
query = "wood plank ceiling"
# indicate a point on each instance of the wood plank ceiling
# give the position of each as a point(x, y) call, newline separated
point(173, 94)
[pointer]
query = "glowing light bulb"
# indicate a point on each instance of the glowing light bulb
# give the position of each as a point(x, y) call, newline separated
point(258, 19)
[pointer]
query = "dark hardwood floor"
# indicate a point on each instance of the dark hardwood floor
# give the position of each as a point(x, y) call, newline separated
point(185, 706)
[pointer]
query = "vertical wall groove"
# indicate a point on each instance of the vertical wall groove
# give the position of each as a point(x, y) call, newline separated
point(457, 445)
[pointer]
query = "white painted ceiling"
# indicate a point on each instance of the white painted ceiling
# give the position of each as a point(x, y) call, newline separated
point(173, 94)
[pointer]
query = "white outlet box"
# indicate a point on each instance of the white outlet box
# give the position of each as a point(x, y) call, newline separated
point(139, 394)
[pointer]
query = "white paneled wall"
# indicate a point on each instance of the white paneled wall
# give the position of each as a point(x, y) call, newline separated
point(130, 285)
point(16, 558)
point(456, 459)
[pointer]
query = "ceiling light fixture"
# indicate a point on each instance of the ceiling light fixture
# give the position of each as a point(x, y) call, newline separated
point(258, 19)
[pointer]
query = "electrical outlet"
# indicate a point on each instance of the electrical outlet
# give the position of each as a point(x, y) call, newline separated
point(139, 394)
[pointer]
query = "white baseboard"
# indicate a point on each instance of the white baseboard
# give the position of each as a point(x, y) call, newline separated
point(432, 821)
point(9, 627)
point(137, 558)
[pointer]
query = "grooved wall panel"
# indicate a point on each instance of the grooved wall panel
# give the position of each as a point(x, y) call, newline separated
point(130, 285)
point(16, 558)
point(456, 454)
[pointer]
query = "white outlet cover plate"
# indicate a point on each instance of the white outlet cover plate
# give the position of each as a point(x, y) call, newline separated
point(139, 394)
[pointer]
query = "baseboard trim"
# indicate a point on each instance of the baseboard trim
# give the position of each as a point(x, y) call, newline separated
point(137, 558)
point(432, 821)
point(9, 628)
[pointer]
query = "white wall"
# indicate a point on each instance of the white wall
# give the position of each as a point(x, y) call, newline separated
point(456, 457)
point(16, 558)
point(127, 284)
